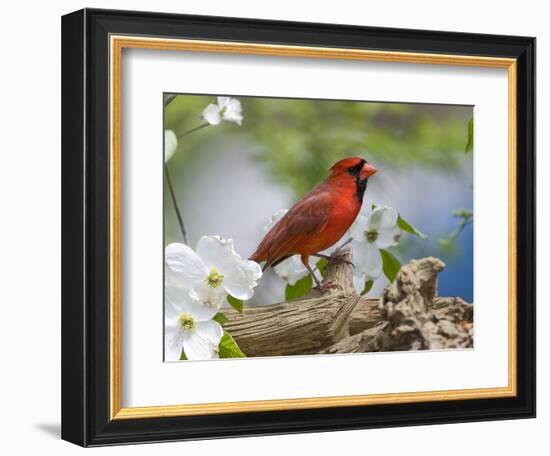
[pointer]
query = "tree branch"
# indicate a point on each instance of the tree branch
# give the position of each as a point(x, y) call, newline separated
point(408, 316)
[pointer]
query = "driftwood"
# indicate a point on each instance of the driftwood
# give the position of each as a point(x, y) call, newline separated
point(408, 316)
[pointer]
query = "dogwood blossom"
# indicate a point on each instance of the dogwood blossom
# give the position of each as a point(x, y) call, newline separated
point(374, 229)
point(170, 144)
point(212, 272)
point(189, 326)
point(291, 270)
point(226, 108)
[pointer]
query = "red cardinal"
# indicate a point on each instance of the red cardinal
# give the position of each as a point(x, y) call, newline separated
point(320, 218)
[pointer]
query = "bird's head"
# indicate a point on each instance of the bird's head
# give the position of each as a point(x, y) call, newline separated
point(357, 167)
point(352, 172)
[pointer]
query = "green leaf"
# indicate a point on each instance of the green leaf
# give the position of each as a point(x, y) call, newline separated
point(464, 214)
point(368, 286)
point(406, 226)
point(470, 143)
point(390, 264)
point(467, 219)
point(299, 289)
point(237, 304)
point(228, 348)
point(322, 266)
point(220, 318)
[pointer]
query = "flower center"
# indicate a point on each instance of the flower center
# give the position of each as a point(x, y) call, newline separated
point(371, 236)
point(187, 322)
point(214, 279)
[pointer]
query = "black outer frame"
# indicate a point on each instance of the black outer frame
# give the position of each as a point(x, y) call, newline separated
point(85, 227)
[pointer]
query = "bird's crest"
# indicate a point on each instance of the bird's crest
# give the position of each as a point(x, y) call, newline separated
point(347, 163)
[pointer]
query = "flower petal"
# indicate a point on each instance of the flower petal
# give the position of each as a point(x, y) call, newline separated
point(211, 299)
point(367, 260)
point(239, 276)
point(170, 144)
point(173, 340)
point(185, 266)
point(170, 278)
point(233, 111)
point(223, 102)
point(383, 218)
point(358, 229)
point(178, 301)
point(202, 343)
point(210, 330)
point(174, 299)
point(240, 283)
point(388, 237)
point(215, 252)
point(291, 270)
point(212, 114)
point(359, 282)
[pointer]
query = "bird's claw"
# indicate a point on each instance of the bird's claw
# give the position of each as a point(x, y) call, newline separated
point(327, 286)
point(337, 260)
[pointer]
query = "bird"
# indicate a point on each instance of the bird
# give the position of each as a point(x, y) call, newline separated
point(320, 218)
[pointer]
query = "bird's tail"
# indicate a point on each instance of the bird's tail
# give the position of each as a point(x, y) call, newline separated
point(258, 258)
point(255, 257)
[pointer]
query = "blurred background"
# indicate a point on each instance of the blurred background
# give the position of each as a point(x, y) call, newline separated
point(230, 179)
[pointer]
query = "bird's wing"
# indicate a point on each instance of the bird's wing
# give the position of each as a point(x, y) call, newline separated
point(306, 218)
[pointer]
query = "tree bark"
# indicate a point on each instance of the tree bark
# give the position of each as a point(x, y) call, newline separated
point(408, 316)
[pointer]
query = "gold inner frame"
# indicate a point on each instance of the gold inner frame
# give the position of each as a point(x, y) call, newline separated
point(117, 44)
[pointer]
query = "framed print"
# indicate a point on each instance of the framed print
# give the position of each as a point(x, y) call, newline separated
point(274, 227)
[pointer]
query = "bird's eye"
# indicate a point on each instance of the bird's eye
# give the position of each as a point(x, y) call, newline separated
point(355, 170)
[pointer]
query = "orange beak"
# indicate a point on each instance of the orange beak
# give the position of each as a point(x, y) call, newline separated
point(367, 171)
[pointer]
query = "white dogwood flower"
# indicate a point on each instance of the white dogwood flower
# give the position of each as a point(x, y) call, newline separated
point(227, 108)
point(374, 229)
point(291, 270)
point(189, 326)
point(170, 144)
point(212, 272)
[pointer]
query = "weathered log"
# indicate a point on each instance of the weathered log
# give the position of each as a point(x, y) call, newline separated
point(368, 340)
point(408, 316)
point(367, 313)
point(302, 326)
point(409, 306)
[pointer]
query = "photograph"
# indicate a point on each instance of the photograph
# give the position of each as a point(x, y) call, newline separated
point(315, 226)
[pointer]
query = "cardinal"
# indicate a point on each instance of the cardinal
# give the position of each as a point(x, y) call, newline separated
point(320, 218)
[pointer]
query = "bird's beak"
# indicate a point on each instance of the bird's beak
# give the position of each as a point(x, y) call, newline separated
point(367, 171)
